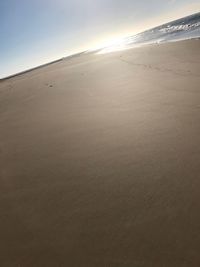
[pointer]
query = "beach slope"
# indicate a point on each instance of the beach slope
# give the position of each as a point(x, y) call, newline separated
point(100, 161)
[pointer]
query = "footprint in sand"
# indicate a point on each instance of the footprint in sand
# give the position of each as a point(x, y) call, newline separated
point(49, 85)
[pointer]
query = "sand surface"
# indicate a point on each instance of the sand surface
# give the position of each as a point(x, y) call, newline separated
point(100, 161)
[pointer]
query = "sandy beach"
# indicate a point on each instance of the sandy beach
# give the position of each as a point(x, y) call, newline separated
point(100, 161)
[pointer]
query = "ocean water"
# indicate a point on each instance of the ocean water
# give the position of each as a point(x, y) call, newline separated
point(181, 29)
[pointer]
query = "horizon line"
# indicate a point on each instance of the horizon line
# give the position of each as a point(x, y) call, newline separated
point(81, 52)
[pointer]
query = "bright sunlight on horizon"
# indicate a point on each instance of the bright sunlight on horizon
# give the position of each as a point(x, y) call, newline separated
point(37, 32)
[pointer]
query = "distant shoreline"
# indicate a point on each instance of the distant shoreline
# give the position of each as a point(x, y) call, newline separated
point(38, 67)
point(29, 70)
point(78, 54)
point(138, 44)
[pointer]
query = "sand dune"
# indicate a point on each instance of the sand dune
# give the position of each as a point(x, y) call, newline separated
point(100, 161)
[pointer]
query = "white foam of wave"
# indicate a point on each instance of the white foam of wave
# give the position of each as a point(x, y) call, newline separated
point(182, 27)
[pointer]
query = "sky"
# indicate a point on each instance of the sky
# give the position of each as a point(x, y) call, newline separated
point(34, 32)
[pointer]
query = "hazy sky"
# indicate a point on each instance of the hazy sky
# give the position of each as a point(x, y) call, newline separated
point(33, 32)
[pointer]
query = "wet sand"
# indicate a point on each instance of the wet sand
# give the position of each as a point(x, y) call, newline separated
point(100, 161)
